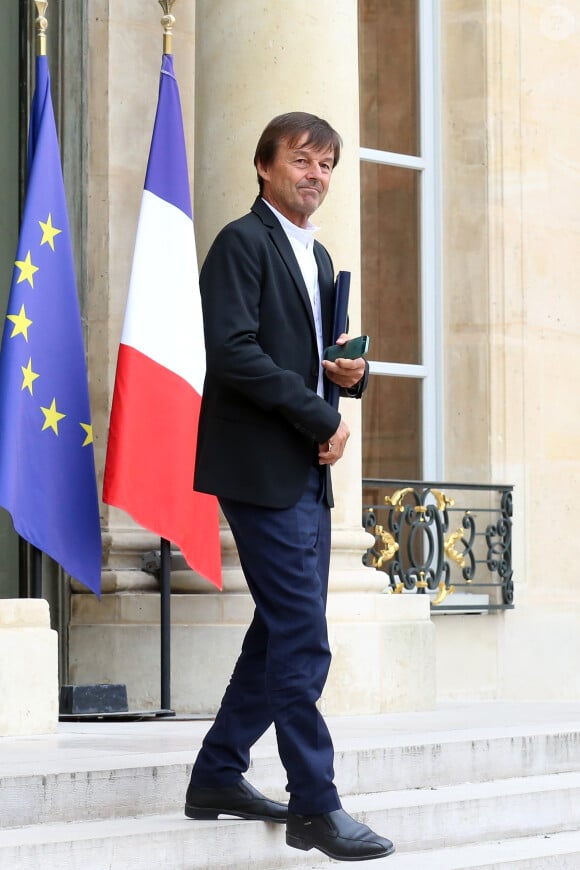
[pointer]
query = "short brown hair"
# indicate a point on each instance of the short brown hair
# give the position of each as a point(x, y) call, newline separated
point(291, 127)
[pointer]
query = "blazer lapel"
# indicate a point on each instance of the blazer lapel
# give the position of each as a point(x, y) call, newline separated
point(326, 284)
point(280, 239)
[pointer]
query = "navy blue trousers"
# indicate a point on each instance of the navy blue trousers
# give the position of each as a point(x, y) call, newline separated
point(285, 656)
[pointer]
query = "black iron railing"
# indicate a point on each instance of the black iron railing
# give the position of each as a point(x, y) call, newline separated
point(452, 541)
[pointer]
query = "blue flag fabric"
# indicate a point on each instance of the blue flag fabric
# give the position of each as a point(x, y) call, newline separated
point(47, 466)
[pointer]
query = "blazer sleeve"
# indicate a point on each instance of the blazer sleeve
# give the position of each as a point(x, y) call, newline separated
point(231, 286)
point(356, 391)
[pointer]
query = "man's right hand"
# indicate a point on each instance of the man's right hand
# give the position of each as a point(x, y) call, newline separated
point(332, 450)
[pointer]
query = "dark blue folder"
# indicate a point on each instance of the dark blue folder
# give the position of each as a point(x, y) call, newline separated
point(339, 325)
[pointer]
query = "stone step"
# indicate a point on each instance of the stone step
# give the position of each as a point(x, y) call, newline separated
point(416, 819)
point(542, 852)
point(473, 812)
point(107, 785)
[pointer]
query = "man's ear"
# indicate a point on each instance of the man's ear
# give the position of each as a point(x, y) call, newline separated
point(262, 171)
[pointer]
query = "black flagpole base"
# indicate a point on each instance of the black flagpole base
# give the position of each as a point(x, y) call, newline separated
point(129, 716)
point(165, 619)
point(102, 702)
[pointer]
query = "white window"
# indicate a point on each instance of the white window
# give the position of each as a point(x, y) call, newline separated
point(400, 208)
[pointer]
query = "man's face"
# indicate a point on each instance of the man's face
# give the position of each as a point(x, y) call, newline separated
point(296, 181)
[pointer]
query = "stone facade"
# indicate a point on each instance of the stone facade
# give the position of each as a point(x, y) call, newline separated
point(220, 61)
point(510, 225)
point(510, 319)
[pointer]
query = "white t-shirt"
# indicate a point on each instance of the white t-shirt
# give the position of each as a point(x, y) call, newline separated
point(302, 241)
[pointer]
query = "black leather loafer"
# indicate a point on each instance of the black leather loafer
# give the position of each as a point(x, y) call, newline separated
point(241, 800)
point(338, 835)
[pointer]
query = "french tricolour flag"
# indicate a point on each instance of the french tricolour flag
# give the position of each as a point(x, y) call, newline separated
point(161, 364)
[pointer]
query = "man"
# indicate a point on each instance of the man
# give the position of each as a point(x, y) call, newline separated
point(267, 439)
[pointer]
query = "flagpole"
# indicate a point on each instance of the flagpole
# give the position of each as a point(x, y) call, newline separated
point(35, 555)
point(167, 22)
point(165, 616)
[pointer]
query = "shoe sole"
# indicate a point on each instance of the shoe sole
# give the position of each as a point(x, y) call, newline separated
point(211, 814)
point(300, 843)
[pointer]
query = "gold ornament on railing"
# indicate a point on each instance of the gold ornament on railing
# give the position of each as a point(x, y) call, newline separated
point(390, 546)
point(395, 500)
point(422, 583)
point(442, 592)
point(450, 550)
point(443, 502)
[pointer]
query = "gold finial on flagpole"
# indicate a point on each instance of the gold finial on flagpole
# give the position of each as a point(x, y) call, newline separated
point(167, 21)
point(41, 24)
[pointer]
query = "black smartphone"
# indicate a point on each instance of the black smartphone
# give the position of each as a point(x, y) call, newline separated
point(353, 349)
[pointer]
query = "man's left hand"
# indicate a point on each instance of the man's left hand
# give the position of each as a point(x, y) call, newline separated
point(344, 372)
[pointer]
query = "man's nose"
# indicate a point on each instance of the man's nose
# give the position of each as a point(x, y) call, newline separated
point(315, 170)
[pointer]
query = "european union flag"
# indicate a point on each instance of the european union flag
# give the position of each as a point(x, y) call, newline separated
point(47, 467)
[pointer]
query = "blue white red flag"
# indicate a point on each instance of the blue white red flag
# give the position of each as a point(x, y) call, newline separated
point(161, 363)
point(47, 467)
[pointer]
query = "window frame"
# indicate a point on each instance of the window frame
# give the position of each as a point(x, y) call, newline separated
point(428, 164)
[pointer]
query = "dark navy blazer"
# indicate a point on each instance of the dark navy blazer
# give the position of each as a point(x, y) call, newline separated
point(261, 419)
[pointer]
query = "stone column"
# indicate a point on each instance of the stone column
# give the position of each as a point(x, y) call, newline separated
point(252, 63)
point(125, 50)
